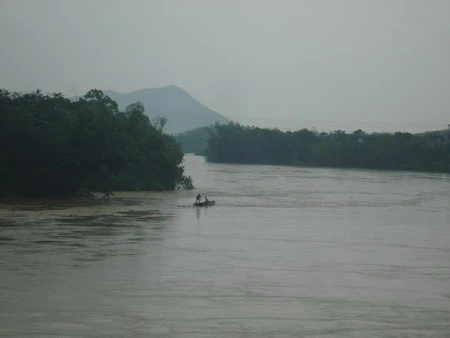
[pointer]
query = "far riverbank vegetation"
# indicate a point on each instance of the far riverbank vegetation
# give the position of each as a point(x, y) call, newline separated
point(234, 143)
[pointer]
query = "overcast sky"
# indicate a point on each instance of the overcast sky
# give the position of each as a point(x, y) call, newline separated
point(375, 65)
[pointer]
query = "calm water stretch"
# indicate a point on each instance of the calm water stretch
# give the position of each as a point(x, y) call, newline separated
point(285, 252)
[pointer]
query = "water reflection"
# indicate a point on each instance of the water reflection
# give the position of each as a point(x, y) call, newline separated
point(197, 213)
point(201, 211)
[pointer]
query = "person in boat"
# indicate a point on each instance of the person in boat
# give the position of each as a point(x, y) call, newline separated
point(197, 200)
point(206, 199)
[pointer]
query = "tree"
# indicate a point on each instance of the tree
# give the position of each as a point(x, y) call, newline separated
point(53, 147)
point(399, 151)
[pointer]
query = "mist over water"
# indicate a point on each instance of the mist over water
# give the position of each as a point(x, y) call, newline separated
point(286, 251)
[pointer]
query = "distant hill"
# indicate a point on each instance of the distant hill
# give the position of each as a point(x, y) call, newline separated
point(183, 112)
point(443, 132)
point(194, 141)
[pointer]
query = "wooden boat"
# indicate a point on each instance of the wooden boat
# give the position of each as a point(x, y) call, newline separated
point(204, 204)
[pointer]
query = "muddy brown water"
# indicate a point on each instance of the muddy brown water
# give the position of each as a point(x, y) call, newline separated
point(285, 252)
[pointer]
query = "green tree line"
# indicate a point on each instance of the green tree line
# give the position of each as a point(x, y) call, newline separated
point(233, 143)
point(194, 141)
point(51, 146)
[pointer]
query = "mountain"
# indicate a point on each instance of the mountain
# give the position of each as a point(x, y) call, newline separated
point(183, 112)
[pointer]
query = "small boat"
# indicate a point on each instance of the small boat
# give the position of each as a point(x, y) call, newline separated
point(204, 204)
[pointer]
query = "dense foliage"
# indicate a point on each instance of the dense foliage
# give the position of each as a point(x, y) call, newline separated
point(193, 141)
point(398, 151)
point(51, 146)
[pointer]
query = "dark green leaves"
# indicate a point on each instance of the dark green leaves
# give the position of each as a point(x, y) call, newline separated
point(399, 151)
point(53, 147)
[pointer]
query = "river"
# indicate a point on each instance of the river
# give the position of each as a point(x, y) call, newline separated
point(285, 252)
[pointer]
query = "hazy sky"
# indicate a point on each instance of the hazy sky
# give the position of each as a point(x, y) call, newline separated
point(349, 64)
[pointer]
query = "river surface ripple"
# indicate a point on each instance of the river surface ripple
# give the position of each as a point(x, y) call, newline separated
point(285, 252)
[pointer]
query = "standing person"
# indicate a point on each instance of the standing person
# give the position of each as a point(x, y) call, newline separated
point(198, 198)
